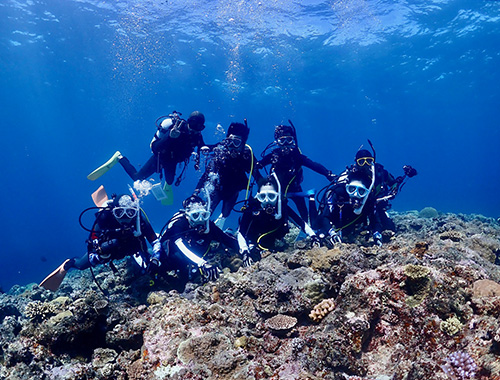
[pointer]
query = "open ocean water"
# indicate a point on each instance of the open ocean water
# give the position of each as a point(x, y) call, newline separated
point(83, 78)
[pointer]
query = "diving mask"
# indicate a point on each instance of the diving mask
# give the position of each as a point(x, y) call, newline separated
point(197, 214)
point(125, 212)
point(362, 161)
point(233, 141)
point(285, 140)
point(269, 196)
point(126, 209)
point(356, 189)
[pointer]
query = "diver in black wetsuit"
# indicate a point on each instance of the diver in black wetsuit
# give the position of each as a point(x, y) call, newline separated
point(186, 240)
point(229, 170)
point(360, 194)
point(265, 219)
point(173, 143)
point(344, 207)
point(287, 161)
point(120, 229)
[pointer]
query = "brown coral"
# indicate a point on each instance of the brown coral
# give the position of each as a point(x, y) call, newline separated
point(420, 249)
point(486, 288)
point(452, 235)
point(322, 309)
point(281, 322)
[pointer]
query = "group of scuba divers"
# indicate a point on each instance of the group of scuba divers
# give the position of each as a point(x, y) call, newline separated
point(351, 203)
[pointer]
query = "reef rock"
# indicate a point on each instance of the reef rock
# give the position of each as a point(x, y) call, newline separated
point(425, 305)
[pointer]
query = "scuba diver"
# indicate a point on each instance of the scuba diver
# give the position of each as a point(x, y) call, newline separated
point(286, 161)
point(226, 170)
point(186, 241)
point(120, 229)
point(362, 191)
point(265, 219)
point(173, 143)
point(345, 206)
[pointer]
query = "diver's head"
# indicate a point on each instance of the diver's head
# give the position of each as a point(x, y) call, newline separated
point(284, 135)
point(236, 137)
point(196, 121)
point(268, 196)
point(364, 158)
point(124, 209)
point(196, 211)
point(357, 189)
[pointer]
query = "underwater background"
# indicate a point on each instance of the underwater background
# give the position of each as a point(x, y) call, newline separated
point(81, 79)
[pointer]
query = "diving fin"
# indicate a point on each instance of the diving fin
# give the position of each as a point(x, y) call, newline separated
point(53, 280)
point(163, 193)
point(105, 167)
point(100, 197)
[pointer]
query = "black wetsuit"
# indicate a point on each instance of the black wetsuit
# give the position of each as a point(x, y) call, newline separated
point(111, 240)
point(226, 175)
point(385, 185)
point(197, 242)
point(167, 153)
point(262, 228)
point(287, 163)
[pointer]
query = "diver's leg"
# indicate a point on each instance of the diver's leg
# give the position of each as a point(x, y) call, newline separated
point(313, 212)
point(169, 168)
point(145, 172)
point(300, 203)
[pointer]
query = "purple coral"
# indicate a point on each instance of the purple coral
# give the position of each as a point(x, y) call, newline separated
point(460, 366)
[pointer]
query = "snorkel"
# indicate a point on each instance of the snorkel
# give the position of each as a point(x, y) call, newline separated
point(197, 212)
point(269, 196)
point(278, 213)
point(359, 202)
point(137, 231)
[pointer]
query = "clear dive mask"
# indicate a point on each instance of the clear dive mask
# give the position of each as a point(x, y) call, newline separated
point(126, 209)
point(197, 214)
point(285, 140)
point(356, 190)
point(125, 212)
point(267, 196)
point(233, 141)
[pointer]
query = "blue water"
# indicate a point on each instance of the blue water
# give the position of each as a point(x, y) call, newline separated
point(81, 79)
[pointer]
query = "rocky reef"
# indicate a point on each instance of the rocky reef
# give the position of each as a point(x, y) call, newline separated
point(425, 305)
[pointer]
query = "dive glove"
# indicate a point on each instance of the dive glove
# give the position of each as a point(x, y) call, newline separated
point(377, 238)
point(247, 260)
point(334, 236)
point(209, 272)
point(315, 241)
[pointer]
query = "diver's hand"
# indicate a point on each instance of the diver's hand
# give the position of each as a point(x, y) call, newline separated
point(334, 236)
point(247, 260)
point(154, 266)
point(209, 272)
point(315, 242)
point(331, 176)
point(377, 238)
point(409, 171)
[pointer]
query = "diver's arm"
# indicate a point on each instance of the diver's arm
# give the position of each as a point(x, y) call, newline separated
point(218, 235)
point(188, 253)
point(266, 160)
point(315, 166)
point(300, 222)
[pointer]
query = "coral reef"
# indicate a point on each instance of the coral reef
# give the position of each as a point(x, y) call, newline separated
point(281, 322)
point(460, 366)
point(428, 212)
point(425, 305)
point(322, 309)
